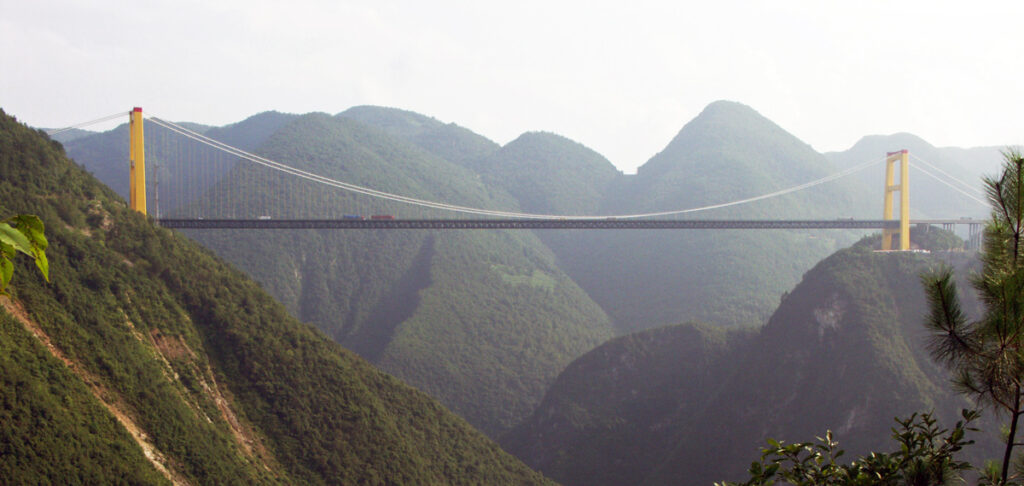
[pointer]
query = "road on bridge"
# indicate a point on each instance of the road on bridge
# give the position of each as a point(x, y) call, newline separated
point(581, 223)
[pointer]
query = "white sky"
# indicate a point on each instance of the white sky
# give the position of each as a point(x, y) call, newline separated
point(619, 77)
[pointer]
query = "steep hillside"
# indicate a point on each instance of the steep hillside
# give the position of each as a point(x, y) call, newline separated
point(686, 405)
point(147, 360)
point(54, 430)
point(481, 320)
point(606, 419)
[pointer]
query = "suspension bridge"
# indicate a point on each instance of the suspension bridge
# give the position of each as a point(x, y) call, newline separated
point(338, 204)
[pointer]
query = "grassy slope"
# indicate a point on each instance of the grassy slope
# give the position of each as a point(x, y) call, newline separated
point(172, 334)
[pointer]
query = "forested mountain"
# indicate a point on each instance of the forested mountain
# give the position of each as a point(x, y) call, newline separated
point(147, 360)
point(610, 417)
point(550, 174)
point(481, 320)
point(691, 404)
point(654, 278)
point(484, 321)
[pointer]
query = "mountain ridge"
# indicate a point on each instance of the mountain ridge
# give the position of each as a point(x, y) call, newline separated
point(178, 339)
point(388, 294)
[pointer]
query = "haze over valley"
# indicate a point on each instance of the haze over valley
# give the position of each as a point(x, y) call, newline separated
point(502, 326)
point(403, 242)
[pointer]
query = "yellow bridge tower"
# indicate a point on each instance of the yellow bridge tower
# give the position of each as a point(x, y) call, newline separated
point(903, 157)
point(137, 156)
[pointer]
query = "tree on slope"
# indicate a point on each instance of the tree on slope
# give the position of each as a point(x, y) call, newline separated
point(987, 355)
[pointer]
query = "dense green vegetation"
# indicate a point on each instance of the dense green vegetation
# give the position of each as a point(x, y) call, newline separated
point(728, 152)
point(449, 312)
point(604, 420)
point(927, 455)
point(54, 431)
point(484, 322)
point(985, 353)
point(845, 351)
point(23, 233)
point(228, 388)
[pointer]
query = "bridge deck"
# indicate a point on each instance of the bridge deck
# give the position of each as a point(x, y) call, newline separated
point(542, 223)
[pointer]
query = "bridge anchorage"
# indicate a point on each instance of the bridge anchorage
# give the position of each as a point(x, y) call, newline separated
point(895, 232)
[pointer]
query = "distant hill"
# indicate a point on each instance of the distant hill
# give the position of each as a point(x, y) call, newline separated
point(550, 174)
point(690, 404)
point(653, 278)
point(445, 140)
point(728, 152)
point(647, 279)
point(146, 360)
point(929, 197)
point(69, 135)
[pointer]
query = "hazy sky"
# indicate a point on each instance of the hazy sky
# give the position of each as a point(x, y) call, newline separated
point(619, 77)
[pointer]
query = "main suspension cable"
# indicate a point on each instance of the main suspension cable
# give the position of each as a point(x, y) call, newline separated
point(975, 190)
point(470, 210)
point(55, 131)
point(951, 186)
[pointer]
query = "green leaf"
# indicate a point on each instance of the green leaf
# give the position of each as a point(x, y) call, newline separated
point(43, 264)
point(32, 227)
point(16, 239)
